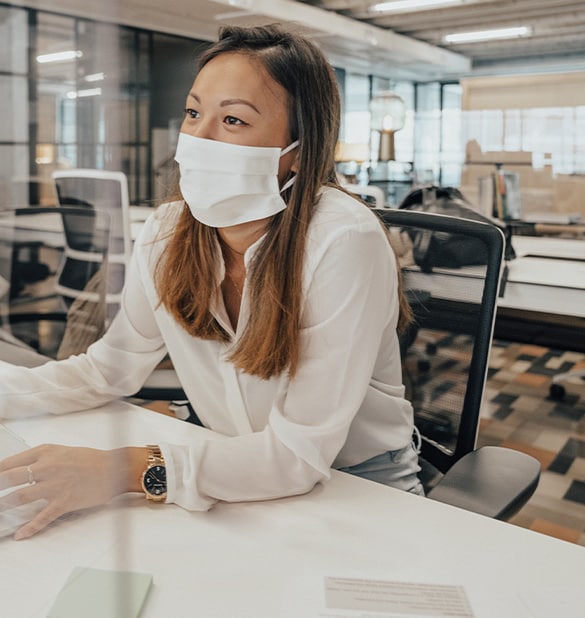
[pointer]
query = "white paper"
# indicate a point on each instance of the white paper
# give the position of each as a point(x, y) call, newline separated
point(359, 597)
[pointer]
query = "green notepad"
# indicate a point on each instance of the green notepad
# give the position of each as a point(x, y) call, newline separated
point(95, 593)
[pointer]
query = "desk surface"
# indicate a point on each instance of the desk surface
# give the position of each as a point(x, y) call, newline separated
point(546, 285)
point(547, 276)
point(269, 559)
point(551, 247)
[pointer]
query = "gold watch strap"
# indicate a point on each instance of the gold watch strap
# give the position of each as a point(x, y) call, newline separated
point(154, 458)
point(154, 454)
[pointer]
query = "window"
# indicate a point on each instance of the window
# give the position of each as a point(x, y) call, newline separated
point(538, 114)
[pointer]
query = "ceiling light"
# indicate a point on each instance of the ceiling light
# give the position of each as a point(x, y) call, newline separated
point(411, 5)
point(233, 15)
point(59, 56)
point(95, 77)
point(487, 35)
point(88, 92)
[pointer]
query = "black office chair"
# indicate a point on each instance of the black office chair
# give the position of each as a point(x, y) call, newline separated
point(54, 265)
point(107, 192)
point(454, 311)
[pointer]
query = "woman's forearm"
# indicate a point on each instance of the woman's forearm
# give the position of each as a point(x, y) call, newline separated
point(127, 466)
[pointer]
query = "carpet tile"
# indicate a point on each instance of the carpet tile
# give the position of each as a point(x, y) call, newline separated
point(519, 413)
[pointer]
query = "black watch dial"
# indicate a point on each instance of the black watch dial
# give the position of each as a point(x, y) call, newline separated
point(155, 480)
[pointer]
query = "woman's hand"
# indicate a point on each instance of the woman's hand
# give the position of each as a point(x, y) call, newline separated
point(68, 478)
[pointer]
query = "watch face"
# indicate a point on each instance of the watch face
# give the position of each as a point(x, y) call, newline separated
point(155, 480)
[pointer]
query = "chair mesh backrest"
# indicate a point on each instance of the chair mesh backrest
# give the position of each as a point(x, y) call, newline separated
point(446, 350)
point(103, 191)
point(107, 193)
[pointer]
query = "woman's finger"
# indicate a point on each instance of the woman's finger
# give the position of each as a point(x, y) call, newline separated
point(47, 516)
point(15, 477)
point(26, 458)
point(19, 497)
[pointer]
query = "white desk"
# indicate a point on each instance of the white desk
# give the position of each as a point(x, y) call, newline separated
point(552, 247)
point(547, 276)
point(269, 559)
point(546, 285)
point(544, 294)
point(544, 297)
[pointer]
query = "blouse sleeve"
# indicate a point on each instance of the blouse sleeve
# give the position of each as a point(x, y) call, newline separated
point(351, 302)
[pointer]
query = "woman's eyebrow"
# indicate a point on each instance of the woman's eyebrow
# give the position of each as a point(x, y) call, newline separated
point(227, 102)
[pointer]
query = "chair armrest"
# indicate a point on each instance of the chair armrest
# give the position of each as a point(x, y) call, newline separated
point(162, 384)
point(492, 481)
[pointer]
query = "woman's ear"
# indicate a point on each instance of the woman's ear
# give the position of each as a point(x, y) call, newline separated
point(295, 164)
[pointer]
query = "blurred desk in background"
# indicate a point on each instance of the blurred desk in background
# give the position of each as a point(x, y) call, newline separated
point(544, 295)
point(48, 229)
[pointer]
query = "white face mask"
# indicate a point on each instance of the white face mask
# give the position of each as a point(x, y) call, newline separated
point(226, 184)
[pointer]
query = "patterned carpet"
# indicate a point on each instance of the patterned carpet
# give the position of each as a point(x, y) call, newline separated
point(519, 413)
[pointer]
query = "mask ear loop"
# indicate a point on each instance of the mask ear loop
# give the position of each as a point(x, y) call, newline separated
point(290, 182)
point(289, 148)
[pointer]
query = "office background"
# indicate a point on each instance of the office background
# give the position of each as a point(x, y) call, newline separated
point(115, 103)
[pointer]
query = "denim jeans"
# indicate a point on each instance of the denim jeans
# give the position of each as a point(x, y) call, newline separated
point(394, 468)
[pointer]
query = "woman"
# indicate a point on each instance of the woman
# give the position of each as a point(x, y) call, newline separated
point(274, 293)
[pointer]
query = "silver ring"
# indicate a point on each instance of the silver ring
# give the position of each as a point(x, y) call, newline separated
point(31, 477)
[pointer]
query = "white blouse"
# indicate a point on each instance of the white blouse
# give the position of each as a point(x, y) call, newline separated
point(345, 404)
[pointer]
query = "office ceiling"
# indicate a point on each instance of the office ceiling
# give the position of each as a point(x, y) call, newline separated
point(557, 43)
point(406, 45)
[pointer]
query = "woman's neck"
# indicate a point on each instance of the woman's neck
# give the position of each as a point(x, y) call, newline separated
point(234, 242)
point(237, 238)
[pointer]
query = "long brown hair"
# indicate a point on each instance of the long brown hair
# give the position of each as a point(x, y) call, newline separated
point(185, 274)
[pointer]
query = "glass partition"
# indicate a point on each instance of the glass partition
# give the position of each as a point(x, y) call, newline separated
point(14, 120)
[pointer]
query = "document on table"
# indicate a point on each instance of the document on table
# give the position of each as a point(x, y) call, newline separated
point(346, 597)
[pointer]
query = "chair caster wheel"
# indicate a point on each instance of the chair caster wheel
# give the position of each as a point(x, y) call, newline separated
point(557, 392)
point(424, 366)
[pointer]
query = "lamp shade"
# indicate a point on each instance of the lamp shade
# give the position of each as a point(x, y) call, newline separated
point(388, 112)
point(345, 152)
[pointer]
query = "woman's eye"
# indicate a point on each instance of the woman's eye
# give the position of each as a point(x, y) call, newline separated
point(192, 113)
point(233, 120)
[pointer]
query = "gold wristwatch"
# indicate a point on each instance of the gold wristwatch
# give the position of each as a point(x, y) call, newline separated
point(154, 478)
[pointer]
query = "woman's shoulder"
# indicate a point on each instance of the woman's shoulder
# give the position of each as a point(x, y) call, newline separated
point(156, 231)
point(339, 210)
point(344, 228)
point(163, 219)
point(169, 211)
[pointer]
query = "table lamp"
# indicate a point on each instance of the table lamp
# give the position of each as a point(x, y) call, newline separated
point(388, 113)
